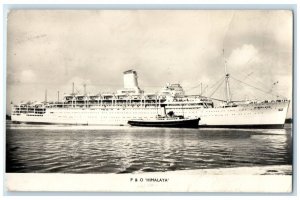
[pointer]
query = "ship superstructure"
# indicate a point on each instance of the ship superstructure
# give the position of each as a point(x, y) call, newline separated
point(133, 103)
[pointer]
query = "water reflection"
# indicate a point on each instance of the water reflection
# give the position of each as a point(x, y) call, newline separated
point(127, 150)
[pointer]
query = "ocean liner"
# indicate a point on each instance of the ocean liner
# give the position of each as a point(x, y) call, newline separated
point(132, 103)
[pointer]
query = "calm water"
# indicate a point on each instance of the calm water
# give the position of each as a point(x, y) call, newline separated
point(86, 149)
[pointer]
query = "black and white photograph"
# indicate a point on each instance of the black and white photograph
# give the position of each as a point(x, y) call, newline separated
point(149, 100)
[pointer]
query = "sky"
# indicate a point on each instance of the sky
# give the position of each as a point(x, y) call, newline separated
point(50, 49)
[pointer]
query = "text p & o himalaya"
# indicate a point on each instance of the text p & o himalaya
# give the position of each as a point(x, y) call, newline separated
point(159, 180)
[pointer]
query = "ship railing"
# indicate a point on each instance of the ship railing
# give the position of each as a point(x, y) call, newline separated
point(264, 101)
point(107, 105)
point(114, 98)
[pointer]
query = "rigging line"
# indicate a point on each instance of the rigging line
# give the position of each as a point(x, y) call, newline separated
point(217, 83)
point(193, 87)
point(217, 87)
point(256, 81)
point(250, 85)
point(250, 59)
point(229, 24)
point(231, 20)
point(222, 100)
point(250, 78)
point(247, 75)
point(228, 28)
point(257, 88)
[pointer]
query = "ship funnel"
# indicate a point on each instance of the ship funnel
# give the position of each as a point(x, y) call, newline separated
point(130, 79)
point(131, 85)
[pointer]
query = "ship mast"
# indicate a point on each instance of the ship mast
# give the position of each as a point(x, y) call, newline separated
point(201, 89)
point(84, 89)
point(228, 95)
point(85, 96)
point(73, 93)
point(46, 96)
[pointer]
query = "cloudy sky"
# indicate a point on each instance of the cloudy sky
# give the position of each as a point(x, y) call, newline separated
point(51, 49)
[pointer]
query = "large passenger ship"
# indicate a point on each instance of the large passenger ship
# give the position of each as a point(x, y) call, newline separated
point(132, 103)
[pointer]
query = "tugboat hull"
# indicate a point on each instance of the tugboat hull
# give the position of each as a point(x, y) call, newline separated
point(180, 123)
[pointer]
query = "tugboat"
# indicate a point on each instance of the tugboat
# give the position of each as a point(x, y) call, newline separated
point(170, 121)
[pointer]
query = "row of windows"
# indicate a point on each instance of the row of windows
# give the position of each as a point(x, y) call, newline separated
point(102, 117)
point(106, 113)
point(220, 115)
point(152, 112)
point(222, 110)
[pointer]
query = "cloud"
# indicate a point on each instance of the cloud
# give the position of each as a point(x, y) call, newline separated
point(243, 55)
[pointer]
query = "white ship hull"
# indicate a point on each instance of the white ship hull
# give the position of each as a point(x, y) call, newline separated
point(88, 116)
point(269, 115)
point(264, 115)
